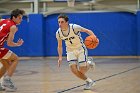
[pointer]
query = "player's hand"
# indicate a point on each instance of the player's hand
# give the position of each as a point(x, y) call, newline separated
point(93, 35)
point(20, 42)
point(59, 62)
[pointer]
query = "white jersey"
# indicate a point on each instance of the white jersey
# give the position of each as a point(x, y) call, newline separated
point(73, 39)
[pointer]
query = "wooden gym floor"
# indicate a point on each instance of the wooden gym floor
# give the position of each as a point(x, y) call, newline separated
point(112, 75)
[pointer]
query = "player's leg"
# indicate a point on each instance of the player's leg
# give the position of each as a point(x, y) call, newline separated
point(1, 87)
point(84, 67)
point(76, 72)
point(2, 72)
point(82, 58)
point(72, 59)
point(13, 61)
point(9, 61)
point(5, 66)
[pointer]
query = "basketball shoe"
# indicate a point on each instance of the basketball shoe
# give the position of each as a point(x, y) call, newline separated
point(91, 62)
point(8, 85)
point(89, 85)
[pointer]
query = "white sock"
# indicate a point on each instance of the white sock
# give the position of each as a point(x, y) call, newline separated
point(89, 80)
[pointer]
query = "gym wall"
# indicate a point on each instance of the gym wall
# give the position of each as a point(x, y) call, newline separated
point(118, 33)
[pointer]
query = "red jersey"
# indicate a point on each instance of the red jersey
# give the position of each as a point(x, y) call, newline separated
point(5, 29)
point(4, 33)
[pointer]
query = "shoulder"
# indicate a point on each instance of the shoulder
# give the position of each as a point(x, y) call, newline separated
point(76, 26)
point(9, 23)
point(58, 31)
point(58, 34)
point(13, 28)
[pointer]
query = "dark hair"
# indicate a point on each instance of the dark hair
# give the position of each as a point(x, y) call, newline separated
point(16, 13)
point(63, 16)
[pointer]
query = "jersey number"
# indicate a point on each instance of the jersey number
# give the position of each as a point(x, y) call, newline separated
point(70, 39)
point(1, 27)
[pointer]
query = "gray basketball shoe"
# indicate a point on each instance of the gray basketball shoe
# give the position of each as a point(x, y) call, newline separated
point(89, 85)
point(91, 62)
point(8, 85)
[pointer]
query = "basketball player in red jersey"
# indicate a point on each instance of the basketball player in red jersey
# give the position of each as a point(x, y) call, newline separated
point(8, 59)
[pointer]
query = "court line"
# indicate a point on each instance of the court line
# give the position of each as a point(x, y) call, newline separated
point(100, 79)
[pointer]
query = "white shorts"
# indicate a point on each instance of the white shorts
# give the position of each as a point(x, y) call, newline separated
point(78, 56)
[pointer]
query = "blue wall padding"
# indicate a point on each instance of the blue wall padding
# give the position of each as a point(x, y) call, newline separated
point(51, 25)
point(118, 33)
point(35, 35)
point(138, 33)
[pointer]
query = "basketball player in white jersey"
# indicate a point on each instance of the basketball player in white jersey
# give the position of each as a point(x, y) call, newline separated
point(76, 50)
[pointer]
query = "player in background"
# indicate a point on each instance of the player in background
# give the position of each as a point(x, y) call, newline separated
point(76, 50)
point(8, 59)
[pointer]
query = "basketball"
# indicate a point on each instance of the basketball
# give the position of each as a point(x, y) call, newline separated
point(91, 42)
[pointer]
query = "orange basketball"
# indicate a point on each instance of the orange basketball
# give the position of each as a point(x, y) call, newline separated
point(91, 42)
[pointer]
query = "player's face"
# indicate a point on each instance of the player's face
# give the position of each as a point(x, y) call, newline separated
point(18, 19)
point(62, 23)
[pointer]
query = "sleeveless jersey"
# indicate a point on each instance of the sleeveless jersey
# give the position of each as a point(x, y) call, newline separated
point(73, 40)
point(4, 30)
point(4, 33)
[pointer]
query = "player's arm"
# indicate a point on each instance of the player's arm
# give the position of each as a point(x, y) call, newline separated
point(59, 48)
point(82, 29)
point(60, 51)
point(89, 32)
point(10, 40)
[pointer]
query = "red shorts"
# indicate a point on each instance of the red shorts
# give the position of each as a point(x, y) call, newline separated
point(5, 53)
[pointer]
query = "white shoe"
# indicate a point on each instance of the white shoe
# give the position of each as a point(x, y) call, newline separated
point(8, 85)
point(91, 62)
point(89, 85)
